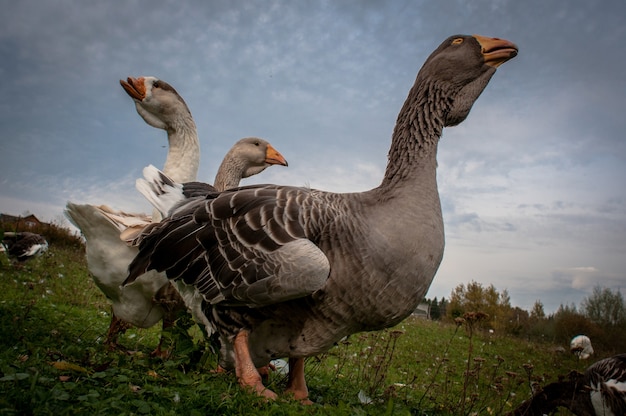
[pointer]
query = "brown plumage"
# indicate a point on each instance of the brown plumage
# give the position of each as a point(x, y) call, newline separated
point(288, 271)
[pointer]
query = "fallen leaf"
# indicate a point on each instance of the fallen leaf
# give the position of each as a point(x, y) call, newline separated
point(153, 373)
point(65, 366)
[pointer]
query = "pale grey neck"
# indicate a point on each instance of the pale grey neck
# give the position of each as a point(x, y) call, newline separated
point(183, 156)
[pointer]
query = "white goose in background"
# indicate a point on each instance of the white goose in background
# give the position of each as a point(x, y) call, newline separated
point(288, 271)
point(580, 346)
point(600, 391)
point(108, 257)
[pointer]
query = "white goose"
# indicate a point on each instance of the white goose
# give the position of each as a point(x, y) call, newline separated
point(108, 256)
point(288, 271)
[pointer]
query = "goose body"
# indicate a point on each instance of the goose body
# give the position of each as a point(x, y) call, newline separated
point(601, 390)
point(108, 258)
point(288, 271)
point(23, 246)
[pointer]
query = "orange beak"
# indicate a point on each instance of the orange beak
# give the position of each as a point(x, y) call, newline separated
point(496, 51)
point(273, 157)
point(134, 87)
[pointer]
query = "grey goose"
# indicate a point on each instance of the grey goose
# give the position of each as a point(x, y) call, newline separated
point(288, 271)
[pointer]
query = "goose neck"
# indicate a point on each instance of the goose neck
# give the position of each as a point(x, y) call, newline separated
point(183, 157)
point(415, 138)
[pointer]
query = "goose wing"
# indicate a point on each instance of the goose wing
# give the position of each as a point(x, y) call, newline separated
point(252, 246)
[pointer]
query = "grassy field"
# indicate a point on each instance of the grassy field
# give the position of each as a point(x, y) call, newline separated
point(52, 361)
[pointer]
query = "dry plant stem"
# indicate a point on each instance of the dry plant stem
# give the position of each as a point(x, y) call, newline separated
point(467, 368)
point(385, 360)
point(434, 377)
point(246, 372)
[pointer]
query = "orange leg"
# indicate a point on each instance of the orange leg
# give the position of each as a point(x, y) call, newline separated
point(296, 385)
point(245, 370)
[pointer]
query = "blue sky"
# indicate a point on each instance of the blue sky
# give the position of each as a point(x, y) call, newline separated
point(531, 183)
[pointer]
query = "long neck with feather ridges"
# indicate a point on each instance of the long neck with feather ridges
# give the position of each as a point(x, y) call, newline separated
point(228, 175)
point(183, 156)
point(416, 135)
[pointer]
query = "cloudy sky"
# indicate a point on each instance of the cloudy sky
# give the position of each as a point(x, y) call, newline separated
point(532, 183)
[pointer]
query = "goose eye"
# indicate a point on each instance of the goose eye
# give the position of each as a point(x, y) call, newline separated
point(257, 144)
point(155, 84)
point(457, 41)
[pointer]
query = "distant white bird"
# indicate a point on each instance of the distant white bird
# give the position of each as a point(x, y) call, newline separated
point(23, 246)
point(580, 345)
point(601, 390)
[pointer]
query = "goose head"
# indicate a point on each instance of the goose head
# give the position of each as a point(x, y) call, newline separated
point(157, 102)
point(462, 67)
point(246, 158)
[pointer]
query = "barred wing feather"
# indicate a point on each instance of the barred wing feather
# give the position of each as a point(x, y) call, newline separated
point(247, 247)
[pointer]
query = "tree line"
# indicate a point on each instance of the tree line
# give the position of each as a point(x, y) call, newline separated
point(601, 316)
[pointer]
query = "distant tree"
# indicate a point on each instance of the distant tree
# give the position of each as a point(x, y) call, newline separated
point(435, 312)
point(518, 322)
point(568, 322)
point(537, 312)
point(604, 307)
point(571, 308)
point(476, 298)
point(540, 326)
point(443, 305)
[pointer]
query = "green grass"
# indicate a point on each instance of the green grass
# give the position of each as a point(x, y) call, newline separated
point(52, 361)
